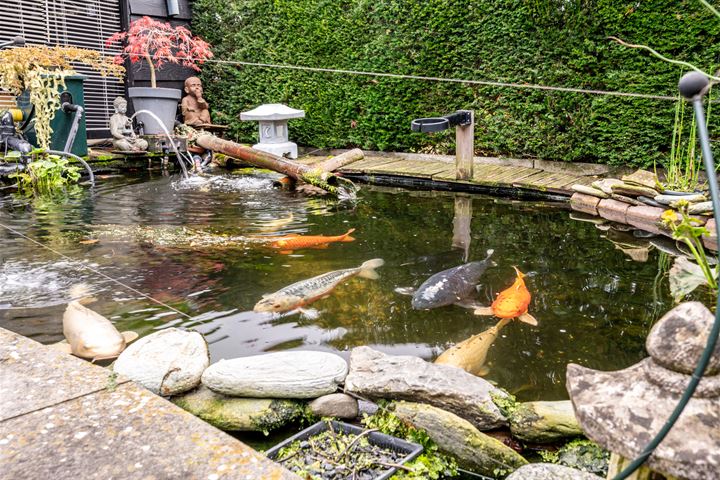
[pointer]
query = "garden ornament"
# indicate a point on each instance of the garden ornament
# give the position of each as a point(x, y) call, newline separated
point(195, 109)
point(273, 118)
point(623, 410)
point(121, 129)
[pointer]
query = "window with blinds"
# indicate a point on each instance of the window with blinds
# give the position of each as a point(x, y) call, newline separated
point(80, 23)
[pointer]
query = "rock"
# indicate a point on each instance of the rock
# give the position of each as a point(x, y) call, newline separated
point(645, 217)
point(711, 241)
point(581, 202)
point(167, 362)
point(673, 199)
point(238, 414)
point(649, 201)
point(277, 375)
point(544, 422)
point(376, 375)
point(366, 407)
point(337, 405)
point(700, 208)
point(613, 210)
point(550, 471)
point(626, 199)
point(592, 191)
point(473, 449)
point(641, 177)
point(677, 340)
point(606, 184)
point(633, 190)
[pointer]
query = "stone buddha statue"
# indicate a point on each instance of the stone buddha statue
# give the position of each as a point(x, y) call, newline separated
point(195, 109)
point(124, 137)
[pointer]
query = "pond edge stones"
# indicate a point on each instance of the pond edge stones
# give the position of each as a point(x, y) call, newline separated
point(167, 362)
point(402, 377)
point(295, 374)
point(623, 410)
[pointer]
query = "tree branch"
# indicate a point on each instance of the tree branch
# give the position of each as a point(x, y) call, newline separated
point(665, 59)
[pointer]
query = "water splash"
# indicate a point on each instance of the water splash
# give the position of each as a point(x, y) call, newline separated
point(26, 284)
point(221, 183)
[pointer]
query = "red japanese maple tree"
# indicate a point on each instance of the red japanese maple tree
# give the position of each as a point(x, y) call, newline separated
point(160, 43)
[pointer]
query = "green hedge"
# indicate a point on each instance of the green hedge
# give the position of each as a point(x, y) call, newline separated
point(550, 42)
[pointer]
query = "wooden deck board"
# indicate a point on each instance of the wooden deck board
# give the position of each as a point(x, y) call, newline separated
point(488, 175)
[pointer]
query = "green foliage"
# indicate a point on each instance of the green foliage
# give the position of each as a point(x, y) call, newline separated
point(46, 174)
point(431, 464)
point(548, 42)
point(689, 231)
point(580, 454)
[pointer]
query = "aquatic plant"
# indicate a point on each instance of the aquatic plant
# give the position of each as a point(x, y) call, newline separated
point(41, 70)
point(46, 174)
point(685, 277)
point(159, 43)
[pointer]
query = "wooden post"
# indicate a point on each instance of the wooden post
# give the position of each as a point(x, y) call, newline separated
point(461, 225)
point(464, 149)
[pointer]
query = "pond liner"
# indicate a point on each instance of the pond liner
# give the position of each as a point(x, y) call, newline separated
point(382, 440)
point(429, 184)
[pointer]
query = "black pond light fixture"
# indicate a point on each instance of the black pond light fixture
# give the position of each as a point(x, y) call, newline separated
point(464, 123)
point(693, 86)
point(18, 41)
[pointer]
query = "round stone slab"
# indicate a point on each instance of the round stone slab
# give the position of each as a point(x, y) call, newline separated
point(277, 375)
point(167, 362)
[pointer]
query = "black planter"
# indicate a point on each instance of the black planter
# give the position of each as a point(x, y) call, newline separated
point(411, 450)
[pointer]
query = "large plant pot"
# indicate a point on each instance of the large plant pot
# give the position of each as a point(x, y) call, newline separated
point(163, 102)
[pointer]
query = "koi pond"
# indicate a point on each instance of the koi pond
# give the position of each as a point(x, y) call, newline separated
point(198, 246)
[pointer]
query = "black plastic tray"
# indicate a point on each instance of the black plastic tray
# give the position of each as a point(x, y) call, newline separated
point(395, 444)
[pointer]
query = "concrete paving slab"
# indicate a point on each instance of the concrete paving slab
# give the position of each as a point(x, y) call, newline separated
point(35, 376)
point(64, 418)
point(127, 433)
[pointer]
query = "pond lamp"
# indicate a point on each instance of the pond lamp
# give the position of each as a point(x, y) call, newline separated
point(464, 125)
point(18, 41)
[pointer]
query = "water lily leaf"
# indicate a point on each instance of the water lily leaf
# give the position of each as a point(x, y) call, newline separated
point(685, 277)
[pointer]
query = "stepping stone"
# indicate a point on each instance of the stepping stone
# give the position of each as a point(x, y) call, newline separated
point(277, 375)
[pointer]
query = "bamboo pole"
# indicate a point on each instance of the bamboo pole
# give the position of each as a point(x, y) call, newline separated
point(325, 180)
point(339, 161)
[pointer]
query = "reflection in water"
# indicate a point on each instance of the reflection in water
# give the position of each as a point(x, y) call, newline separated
point(595, 305)
point(461, 225)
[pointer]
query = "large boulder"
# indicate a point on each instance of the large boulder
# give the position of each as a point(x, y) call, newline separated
point(167, 362)
point(277, 375)
point(376, 375)
point(473, 449)
point(550, 471)
point(544, 422)
point(238, 414)
point(336, 405)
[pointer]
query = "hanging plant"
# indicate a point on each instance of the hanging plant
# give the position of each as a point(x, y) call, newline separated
point(41, 70)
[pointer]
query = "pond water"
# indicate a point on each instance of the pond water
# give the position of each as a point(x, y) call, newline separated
point(594, 304)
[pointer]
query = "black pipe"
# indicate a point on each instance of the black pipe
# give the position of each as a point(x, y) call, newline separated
point(692, 86)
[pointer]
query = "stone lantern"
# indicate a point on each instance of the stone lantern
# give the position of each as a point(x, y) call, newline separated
point(622, 411)
point(273, 118)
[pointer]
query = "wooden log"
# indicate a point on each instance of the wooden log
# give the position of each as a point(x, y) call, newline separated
point(325, 180)
point(339, 161)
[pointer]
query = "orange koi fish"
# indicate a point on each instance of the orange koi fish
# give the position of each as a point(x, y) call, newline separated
point(512, 302)
point(290, 243)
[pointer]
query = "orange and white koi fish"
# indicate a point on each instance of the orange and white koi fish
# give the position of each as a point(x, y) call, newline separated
point(512, 302)
point(290, 243)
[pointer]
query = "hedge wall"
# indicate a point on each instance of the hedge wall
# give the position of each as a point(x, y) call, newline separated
point(550, 42)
